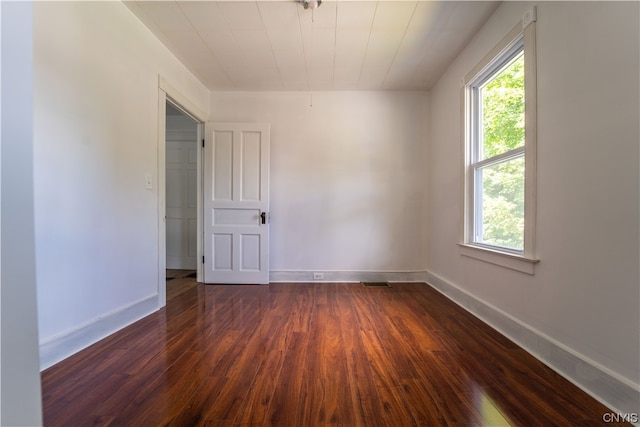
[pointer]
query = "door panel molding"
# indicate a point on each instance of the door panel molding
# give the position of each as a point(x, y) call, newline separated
point(236, 194)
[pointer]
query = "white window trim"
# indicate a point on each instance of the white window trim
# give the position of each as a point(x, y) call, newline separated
point(521, 261)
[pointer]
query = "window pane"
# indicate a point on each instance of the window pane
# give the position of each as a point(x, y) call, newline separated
point(500, 198)
point(503, 110)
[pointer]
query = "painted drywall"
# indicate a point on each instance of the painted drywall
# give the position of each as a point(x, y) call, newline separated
point(584, 295)
point(348, 179)
point(20, 402)
point(95, 138)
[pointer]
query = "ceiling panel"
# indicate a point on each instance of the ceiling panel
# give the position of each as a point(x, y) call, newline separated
point(278, 15)
point(166, 16)
point(342, 45)
point(381, 52)
point(285, 39)
point(252, 40)
point(320, 47)
point(241, 15)
point(351, 47)
point(323, 17)
point(431, 16)
point(203, 16)
point(290, 60)
point(355, 15)
point(393, 16)
point(219, 40)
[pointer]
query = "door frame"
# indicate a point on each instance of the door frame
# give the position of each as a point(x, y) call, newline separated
point(166, 92)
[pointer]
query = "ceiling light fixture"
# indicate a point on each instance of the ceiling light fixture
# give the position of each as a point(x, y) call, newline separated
point(311, 4)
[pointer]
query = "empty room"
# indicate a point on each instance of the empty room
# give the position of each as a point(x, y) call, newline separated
point(313, 213)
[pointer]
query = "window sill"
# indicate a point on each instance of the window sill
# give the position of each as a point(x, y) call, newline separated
point(504, 259)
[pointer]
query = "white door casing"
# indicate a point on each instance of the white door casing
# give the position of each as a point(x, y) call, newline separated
point(167, 92)
point(236, 203)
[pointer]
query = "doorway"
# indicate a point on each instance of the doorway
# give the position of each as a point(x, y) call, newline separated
point(174, 106)
point(181, 190)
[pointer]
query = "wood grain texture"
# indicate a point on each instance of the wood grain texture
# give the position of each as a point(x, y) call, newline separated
point(332, 354)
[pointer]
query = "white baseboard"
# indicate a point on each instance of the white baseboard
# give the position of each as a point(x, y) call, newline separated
point(61, 346)
point(616, 392)
point(306, 276)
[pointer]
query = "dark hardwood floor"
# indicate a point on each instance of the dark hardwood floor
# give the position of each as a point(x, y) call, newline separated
point(179, 281)
point(304, 355)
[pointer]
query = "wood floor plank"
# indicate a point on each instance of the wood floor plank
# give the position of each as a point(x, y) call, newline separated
point(364, 394)
point(254, 410)
point(290, 402)
point(337, 389)
point(336, 354)
point(239, 376)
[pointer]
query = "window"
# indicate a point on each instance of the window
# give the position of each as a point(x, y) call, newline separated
point(497, 154)
point(500, 102)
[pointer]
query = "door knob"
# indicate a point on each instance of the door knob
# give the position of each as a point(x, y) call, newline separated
point(263, 217)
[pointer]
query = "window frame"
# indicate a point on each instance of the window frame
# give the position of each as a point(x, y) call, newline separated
point(477, 162)
point(520, 38)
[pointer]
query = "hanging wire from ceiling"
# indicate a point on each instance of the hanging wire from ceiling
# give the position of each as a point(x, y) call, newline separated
point(311, 43)
point(313, 5)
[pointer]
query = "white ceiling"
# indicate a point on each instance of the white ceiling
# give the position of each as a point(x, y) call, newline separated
point(342, 45)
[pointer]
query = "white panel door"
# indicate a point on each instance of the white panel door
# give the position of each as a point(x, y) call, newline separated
point(236, 203)
point(181, 200)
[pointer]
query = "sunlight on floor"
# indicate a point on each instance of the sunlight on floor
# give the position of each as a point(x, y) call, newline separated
point(489, 412)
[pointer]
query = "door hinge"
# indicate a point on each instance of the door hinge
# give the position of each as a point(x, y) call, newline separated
point(203, 259)
point(203, 143)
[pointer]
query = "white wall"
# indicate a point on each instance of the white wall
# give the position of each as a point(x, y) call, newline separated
point(20, 402)
point(582, 304)
point(348, 180)
point(96, 133)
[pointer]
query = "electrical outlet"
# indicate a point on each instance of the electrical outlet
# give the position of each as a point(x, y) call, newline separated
point(318, 276)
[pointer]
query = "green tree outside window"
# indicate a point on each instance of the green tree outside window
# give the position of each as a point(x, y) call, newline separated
point(502, 184)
